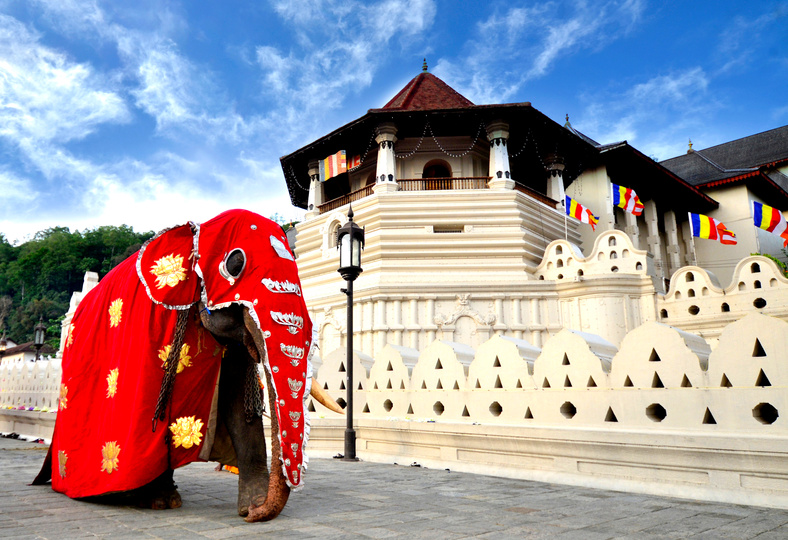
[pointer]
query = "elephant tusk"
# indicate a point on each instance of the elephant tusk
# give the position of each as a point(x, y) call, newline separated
point(322, 397)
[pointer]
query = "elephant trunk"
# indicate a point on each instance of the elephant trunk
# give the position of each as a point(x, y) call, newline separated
point(265, 509)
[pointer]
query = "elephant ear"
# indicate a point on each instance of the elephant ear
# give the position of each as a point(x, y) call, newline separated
point(165, 265)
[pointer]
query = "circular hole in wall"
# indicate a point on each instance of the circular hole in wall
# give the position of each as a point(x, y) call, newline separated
point(568, 410)
point(759, 303)
point(614, 269)
point(388, 405)
point(656, 412)
point(694, 310)
point(560, 276)
point(341, 402)
point(496, 409)
point(438, 408)
point(765, 413)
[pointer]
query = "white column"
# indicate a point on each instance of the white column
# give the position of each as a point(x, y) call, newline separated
point(386, 173)
point(555, 179)
point(631, 228)
point(315, 191)
point(674, 251)
point(653, 241)
point(498, 134)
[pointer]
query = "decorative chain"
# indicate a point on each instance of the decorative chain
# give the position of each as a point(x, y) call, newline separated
point(424, 132)
point(364, 157)
point(171, 366)
point(463, 154)
point(253, 389)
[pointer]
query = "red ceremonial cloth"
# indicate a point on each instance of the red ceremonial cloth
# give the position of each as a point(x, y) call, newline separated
point(113, 360)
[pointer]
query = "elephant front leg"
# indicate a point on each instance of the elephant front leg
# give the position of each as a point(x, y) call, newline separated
point(248, 438)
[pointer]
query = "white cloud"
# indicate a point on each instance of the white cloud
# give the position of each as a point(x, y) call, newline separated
point(45, 96)
point(657, 116)
point(324, 67)
point(532, 40)
point(178, 94)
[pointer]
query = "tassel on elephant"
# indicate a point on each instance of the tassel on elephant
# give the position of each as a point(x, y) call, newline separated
point(160, 369)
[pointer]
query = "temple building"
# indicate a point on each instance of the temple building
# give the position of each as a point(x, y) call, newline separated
point(466, 230)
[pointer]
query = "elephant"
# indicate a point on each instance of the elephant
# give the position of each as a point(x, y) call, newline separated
point(160, 369)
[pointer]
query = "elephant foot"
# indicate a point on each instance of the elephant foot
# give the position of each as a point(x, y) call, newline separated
point(160, 494)
point(247, 492)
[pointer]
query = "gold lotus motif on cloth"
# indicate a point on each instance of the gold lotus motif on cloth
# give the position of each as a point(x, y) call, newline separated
point(70, 338)
point(169, 271)
point(115, 312)
point(112, 383)
point(63, 400)
point(183, 362)
point(109, 454)
point(61, 463)
point(186, 432)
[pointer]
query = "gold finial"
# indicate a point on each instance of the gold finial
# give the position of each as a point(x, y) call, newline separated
point(567, 121)
point(424, 66)
point(690, 150)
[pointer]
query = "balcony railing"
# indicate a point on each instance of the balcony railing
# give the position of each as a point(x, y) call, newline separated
point(440, 184)
point(346, 199)
point(430, 184)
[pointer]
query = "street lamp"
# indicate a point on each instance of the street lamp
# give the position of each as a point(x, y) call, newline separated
point(38, 337)
point(350, 241)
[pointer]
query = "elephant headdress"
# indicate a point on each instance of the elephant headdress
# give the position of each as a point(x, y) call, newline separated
point(121, 422)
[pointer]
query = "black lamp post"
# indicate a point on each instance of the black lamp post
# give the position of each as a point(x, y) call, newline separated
point(350, 241)
point(38, 337)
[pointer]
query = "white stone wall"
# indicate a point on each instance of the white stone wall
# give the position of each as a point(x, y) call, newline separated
point(30, 385)
point(660, 379)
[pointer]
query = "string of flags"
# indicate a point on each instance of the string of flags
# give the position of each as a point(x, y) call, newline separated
point(702, 226)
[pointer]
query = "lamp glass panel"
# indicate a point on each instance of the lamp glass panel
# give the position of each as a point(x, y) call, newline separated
point(356, 259)
point(344, 251)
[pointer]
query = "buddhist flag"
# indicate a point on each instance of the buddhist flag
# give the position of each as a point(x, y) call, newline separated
point(578, 211)
point(354, 162)
point(627, 199)
point(333, 165)
point(708, 227)
point(770, 219)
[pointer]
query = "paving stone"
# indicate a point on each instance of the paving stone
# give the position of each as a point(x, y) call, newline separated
point(365, 500)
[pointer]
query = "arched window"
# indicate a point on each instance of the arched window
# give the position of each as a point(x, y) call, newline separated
point(371, 179)
point(436, 168)
point(333, 229)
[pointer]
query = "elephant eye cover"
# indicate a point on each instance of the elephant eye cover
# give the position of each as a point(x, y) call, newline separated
point(269, 287)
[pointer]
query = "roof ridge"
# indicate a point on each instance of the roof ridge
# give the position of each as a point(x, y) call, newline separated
point(425, 91)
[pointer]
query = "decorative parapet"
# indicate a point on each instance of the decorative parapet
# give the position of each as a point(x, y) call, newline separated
point(661, 378)
point(696, 302)
point(613, 252)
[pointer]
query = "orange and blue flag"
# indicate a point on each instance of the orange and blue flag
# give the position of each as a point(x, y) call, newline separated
point(770, 219)
point(333, 165)
point(712, 229)
point(627, 199)
point(578, 211)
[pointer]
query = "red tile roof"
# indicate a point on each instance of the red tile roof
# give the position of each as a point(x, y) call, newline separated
point(425, 92)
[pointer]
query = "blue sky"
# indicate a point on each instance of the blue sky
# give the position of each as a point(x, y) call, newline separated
point(153, 113)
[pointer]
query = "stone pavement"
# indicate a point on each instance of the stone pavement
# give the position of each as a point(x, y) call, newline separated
point(366, 500)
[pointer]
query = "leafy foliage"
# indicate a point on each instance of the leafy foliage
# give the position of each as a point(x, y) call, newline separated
point(778, 262)
point(38, 277)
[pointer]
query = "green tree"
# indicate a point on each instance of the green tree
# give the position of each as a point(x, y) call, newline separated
point(38, 277)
